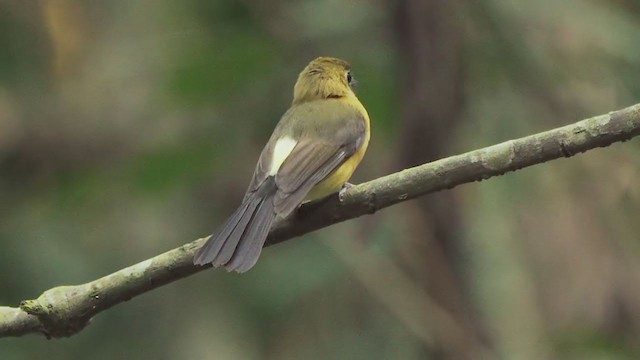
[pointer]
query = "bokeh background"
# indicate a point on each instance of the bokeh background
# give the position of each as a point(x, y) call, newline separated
point(128, 128)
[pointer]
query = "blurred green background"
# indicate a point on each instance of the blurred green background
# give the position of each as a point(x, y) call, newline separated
point(128, 128)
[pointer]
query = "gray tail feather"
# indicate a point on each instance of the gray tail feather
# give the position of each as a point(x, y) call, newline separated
point(239, 242)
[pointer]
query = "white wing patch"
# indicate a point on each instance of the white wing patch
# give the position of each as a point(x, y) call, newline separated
point(283, 148)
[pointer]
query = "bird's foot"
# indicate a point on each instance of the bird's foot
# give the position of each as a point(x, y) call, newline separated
point(344, 188)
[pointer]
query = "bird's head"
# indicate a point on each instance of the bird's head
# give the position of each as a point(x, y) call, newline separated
point(324, 78)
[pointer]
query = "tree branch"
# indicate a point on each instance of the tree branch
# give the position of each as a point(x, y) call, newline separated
point(65, 310)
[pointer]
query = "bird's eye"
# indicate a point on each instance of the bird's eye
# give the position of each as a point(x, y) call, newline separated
point(349, 78)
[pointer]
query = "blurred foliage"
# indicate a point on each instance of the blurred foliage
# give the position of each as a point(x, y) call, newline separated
point(129, 128)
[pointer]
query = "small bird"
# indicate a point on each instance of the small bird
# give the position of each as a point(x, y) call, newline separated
point(311, 154)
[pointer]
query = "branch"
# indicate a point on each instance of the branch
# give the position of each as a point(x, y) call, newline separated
point(65, 310)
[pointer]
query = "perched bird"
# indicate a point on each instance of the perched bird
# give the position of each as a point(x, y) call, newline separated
point(311, 154)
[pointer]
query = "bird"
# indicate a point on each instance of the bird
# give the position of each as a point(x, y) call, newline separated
point(311, 154)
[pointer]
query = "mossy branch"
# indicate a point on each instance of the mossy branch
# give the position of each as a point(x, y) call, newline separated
point(65, 310)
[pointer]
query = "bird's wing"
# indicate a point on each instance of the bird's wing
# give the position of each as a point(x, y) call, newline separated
point(315, 156)
point(323, 140)
point(308, 164)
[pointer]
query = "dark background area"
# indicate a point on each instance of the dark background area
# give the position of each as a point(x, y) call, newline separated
point(128, 128)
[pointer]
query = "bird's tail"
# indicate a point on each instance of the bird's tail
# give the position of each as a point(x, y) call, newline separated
point(239, 242)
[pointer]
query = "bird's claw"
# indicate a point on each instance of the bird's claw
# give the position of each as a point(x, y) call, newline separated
point(344, 189)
